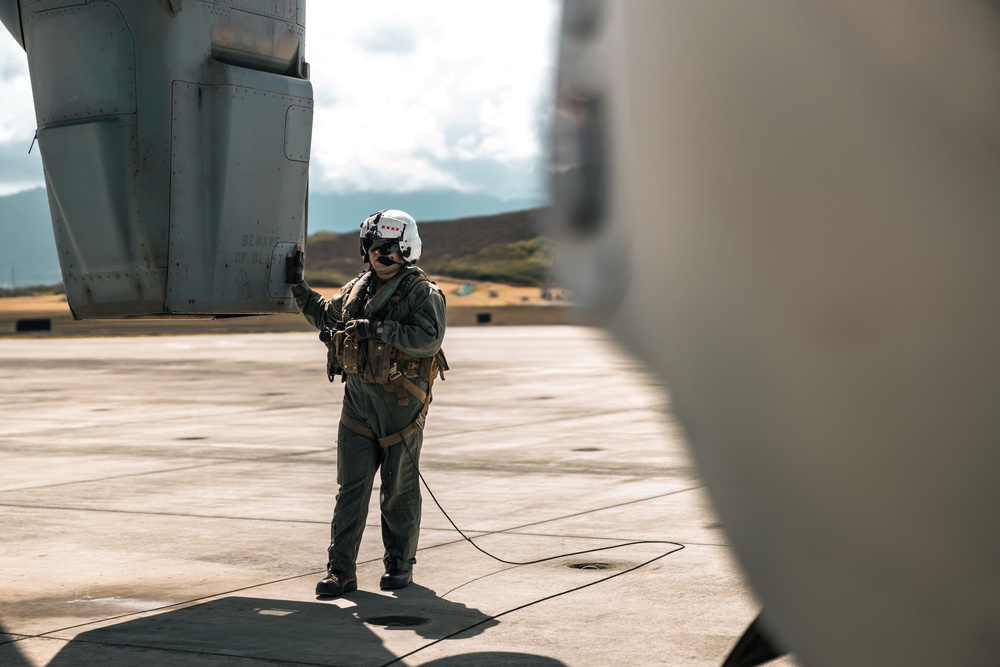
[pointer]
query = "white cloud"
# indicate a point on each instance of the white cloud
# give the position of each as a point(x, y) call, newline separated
point(415, 95)
point(437, 94)
point(17, 114)
point(18, 170)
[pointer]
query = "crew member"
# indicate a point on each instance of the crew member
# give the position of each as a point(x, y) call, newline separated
point(384, 333)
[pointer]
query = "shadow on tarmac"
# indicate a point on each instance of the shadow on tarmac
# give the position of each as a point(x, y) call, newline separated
point(10, 655)
point(238, 630)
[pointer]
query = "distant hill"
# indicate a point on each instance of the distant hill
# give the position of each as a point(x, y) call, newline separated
point(27, 246)
point(343, 212)
point(484, 243)
point(502, 248)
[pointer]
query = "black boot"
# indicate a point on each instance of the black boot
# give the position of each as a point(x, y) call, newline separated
point(393, 579)
point(335, 584)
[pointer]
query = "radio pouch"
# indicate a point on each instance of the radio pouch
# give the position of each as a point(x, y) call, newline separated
point(351, 357)
point(377, 368)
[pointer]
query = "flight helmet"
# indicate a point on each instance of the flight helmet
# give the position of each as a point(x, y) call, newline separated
point(390, 226)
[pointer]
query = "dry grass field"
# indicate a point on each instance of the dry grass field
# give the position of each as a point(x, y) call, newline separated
point(480, 304)
point(496, 247)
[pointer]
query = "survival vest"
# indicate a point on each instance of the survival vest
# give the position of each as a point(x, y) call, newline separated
point(375, 360)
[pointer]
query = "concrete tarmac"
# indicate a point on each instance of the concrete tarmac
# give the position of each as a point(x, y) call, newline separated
point(166, 501)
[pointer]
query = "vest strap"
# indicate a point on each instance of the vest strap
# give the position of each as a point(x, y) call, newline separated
point(403, 384)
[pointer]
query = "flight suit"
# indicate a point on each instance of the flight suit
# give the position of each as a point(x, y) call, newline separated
point(414, 325)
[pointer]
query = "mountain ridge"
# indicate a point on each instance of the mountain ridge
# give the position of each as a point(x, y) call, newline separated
point(28, 254)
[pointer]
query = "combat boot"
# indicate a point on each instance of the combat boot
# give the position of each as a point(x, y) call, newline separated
point(335, 584)
point(393, 579)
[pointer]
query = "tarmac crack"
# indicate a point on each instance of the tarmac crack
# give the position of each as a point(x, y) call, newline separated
point(171, 470)
point(591, 511)
point(171, 514)
point(549, 420)
point(180, 651)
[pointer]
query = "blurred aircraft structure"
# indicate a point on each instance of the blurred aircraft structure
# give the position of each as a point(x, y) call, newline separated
point(789, 211)
point(175, 139)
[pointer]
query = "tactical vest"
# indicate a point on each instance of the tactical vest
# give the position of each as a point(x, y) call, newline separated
point(375, 360)
point(380, 363)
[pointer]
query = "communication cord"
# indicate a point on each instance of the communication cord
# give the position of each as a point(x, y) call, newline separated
point(677, 547)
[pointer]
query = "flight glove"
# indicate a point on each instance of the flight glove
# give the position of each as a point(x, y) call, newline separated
point(361, 329)
point(295, 264)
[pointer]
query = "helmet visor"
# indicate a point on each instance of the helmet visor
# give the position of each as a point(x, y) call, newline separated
point(384, 246)
point(387, 247)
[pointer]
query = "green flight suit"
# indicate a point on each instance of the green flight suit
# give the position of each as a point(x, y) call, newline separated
point(416, 327)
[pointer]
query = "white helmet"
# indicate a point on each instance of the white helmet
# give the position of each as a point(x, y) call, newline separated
point(391, 226)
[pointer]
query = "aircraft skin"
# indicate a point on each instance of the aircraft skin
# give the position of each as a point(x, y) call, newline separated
point(175, 138)
point(789, 211)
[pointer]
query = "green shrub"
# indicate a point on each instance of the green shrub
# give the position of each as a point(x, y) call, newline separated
point(327, 278)
point(32, 290)
point(525, 262)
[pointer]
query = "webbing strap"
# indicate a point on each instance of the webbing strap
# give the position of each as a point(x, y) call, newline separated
point(401, 382)
point(358, 428)
point(389, 440)
point(401, 394)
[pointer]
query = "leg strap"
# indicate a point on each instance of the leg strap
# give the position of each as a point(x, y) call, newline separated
point(389, 440)
point(357, 427)
point(401, 384)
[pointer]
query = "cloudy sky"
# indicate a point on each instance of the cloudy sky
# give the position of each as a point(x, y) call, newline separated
point(436, 94)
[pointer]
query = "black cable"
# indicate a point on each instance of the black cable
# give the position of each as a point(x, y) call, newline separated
point(547, 597)
point(678, 546)
point(527, 562)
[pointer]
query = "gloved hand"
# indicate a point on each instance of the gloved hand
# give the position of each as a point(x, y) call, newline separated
point(295, 264)
point(360, 329)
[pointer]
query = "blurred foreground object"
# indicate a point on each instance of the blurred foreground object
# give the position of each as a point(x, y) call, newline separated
point(175, 140)
point(790, 211)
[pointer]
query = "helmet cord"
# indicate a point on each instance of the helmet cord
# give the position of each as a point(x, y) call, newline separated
point(676, 547)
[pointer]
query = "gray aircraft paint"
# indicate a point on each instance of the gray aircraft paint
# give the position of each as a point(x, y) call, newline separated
point(789, 211)
point(175, 141)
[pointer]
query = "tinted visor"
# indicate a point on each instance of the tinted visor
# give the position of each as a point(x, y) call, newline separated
point(384, 246)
